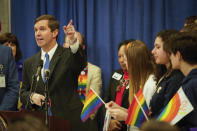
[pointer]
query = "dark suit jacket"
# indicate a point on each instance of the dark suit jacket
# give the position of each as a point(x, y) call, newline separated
point(64, 70)
point(9, 94)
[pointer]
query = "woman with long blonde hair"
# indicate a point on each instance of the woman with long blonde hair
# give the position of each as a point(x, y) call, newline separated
point(141, 70)
point(140, 66)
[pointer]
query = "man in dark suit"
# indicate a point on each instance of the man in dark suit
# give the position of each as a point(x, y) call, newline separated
point(65, 66)
point(9, 83)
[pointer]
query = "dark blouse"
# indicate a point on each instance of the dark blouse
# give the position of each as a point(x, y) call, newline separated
point(166, 89)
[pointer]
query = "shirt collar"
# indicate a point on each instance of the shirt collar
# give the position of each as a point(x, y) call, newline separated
point(51, 52)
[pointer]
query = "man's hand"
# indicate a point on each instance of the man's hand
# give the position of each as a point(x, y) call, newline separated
point(70, 32)
point(37, 98)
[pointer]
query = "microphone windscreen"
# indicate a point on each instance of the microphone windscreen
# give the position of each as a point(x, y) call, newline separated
point(46, 72)
point(41, 63)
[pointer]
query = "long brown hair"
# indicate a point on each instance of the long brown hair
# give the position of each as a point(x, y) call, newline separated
point(161, 70)
point(140, 66)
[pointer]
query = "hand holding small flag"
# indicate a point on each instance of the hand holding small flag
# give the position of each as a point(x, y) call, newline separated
point(117, 112)
point(177, 108)
point(91, 104)
point(138, 110)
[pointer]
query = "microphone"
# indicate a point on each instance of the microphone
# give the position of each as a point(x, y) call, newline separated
point(34, 82)
point(46, 74)
point(39, 68)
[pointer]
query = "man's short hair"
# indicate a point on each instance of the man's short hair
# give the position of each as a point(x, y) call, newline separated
point(186, 44)
point(52, 21)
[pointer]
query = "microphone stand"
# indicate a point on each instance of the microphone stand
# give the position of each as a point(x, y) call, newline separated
point(30, 92)
point(34, 83)
point(46, 101)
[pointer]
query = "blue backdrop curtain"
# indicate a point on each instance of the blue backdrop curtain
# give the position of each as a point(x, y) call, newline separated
point(103, 23)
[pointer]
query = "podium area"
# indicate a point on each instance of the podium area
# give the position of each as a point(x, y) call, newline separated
point(55, 124)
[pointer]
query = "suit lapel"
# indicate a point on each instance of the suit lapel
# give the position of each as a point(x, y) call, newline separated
point(36, 62)
point(116, 84)
point(55, 59)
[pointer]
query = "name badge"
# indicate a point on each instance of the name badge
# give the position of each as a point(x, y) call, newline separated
point(2, 81)
point(116, 76)
point(2, 77)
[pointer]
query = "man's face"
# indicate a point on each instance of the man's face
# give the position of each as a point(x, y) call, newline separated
point(43, 34)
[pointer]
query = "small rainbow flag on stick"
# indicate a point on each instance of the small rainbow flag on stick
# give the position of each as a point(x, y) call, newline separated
point(92, 103)
point(138, 110)
point(178, 107)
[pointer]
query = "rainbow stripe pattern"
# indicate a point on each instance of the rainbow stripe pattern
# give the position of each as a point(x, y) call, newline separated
point(92, 103)
point(82, 83)
point(171, 110)
point(136, 111)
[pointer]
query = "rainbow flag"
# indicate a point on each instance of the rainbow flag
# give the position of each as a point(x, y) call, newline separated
point(92, 103)
point(138, 110)
point(178, 107)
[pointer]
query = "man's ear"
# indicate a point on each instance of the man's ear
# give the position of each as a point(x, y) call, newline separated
point(178, 54)
point(55, 33)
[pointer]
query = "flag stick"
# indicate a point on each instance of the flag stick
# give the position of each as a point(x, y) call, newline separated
point(141, 107)
point(107, 121)
point(98, 95)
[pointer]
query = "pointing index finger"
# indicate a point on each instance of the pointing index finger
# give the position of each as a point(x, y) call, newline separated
point(70, 23)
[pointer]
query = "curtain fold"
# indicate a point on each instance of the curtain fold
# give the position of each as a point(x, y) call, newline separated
point(103, 23)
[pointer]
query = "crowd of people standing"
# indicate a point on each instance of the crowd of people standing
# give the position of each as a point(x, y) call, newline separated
point(67, 75)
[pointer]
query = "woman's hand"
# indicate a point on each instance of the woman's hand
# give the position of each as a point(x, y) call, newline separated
point(117, 112)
